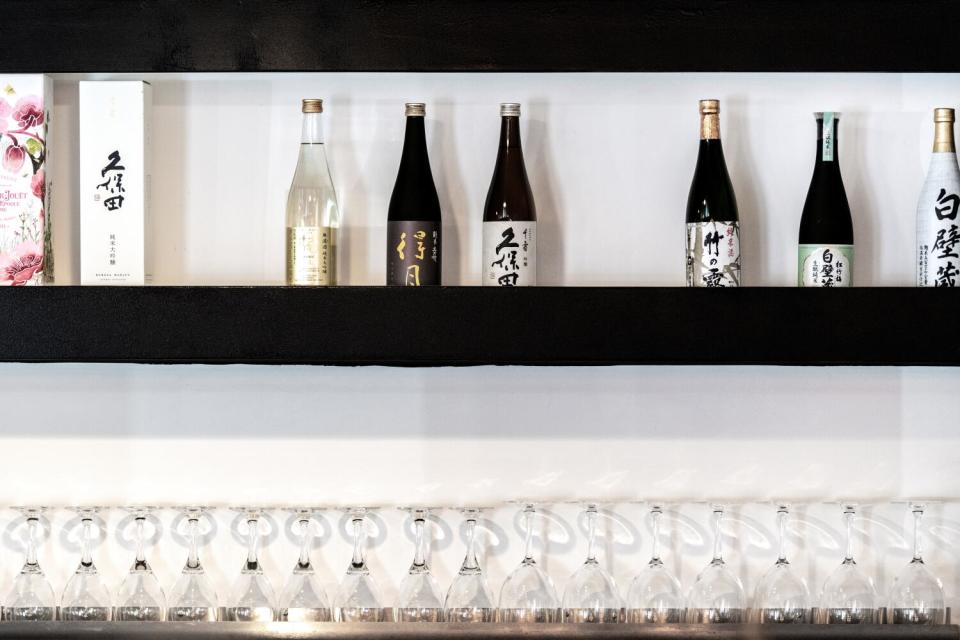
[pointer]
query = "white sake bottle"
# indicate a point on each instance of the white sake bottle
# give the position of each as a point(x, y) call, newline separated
point(938, 212)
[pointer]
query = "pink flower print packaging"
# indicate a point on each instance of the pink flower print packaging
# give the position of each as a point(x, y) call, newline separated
point(25, 250)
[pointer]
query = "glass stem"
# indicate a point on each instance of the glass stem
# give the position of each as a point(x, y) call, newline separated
point(591, 534)
point(141, 557)
point(358, 533)
point(917, 516)
point(193, 557)
point(782, 533)
point(470, 561)
point(717, 542)
point(86, 559)
point(306, 541)
point(419, 560)
point(253, 537)
point(655, 552)
point(32, 541)
point(848, 516)
point(528, 534)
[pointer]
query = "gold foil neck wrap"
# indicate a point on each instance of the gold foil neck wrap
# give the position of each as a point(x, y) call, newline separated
point(943, 138)
point(942, 114)
point(709, 106)
point(709, 119)
point(312, 105)
point(418, 109)
point(510, 109)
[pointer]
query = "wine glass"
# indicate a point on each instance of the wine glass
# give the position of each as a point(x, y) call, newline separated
point(85, 598)
point(358, 598)
point(782, 595)
point(419, 599)
point(140, 597)
point(655, 595)
point(591, 595)
point(528, 594)
point(848, 595)
point(469, 598)
point(31, 598)
point(303, 598)
point(717, 595)
point(917, 594)
point(193, 597)
point(252, 596)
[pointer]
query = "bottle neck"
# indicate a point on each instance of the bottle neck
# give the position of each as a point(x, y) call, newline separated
point(828, 147)
point(943, 138)
point(312, 132)
point(415, 138)
point(510, 132)
point(710, 126)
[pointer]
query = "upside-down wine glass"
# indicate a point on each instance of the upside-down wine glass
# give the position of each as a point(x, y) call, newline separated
point(31, 598)
point(193, 598)
point(528, 594)
point(469, 598)
point(917, 594)
point(782, 596)
point(303, 598)
point(717, 595)
point(591, 595)
point(419, 599)
point(252, 598)
point(848, 595)
point(358, 598)
point(85, 598)
point(140, 597)
point(655, 595)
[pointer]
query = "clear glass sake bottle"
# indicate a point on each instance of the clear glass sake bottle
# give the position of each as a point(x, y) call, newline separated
point(313, 217)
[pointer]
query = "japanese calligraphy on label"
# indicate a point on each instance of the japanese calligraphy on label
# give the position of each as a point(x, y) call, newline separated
point(938, 225)
point(311, 256)
point(413, 253)
point(509, 254)
point(713, 254)
point(825, 265)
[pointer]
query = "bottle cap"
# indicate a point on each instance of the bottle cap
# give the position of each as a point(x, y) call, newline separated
point(709, 106)
point(415, 109)
point(942, 114)
point(312, 105)
point(510, 109)
point(819, 114)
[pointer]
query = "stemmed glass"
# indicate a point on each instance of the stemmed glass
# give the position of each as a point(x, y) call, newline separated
point(193, 597)
point(591, 595)
point(848, 595)
point(917, 594)
point(85, 598)
point(303, 598)
point(140, 597)
point(31, 598)
point(358, 598)
point(469, 598)
point(655, 595)
point(782, 595)
point(717, 595)
point(252, 597)
point(528, 594)
point(419, 599)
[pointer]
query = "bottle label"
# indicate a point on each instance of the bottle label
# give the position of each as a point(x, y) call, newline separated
point(311, 256)
point(938, 224)
point(827, 150)
point(825, 265)
point(413, 253)
point(509, 254)
point(713, 254)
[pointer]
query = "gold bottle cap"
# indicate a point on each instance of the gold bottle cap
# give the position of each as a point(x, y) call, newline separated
point(312, 105)
point(510, 109)
point(415, 109)
point(709, 106)
point(942, 114)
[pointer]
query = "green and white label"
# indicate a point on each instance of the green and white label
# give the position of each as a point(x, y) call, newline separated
point(825, 265)
point(828, 143)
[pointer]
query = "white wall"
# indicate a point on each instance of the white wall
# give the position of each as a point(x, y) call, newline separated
point(610, 158)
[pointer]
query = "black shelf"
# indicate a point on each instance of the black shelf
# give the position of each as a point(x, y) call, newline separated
point(476, 326)
point(111, 36)
point(440, 631)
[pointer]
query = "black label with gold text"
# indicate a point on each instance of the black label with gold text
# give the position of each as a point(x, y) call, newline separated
point(413, 253)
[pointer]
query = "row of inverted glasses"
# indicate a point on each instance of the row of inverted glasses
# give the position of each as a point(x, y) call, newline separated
point(528, 594)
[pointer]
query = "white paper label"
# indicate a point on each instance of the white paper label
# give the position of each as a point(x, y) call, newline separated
point(509, 254)
point(938, 224)
point(825, 265)
point(713, 254)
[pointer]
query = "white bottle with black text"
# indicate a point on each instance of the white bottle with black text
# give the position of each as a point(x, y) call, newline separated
point(938, 211)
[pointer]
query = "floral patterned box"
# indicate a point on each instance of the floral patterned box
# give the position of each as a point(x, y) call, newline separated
point(25, 251)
